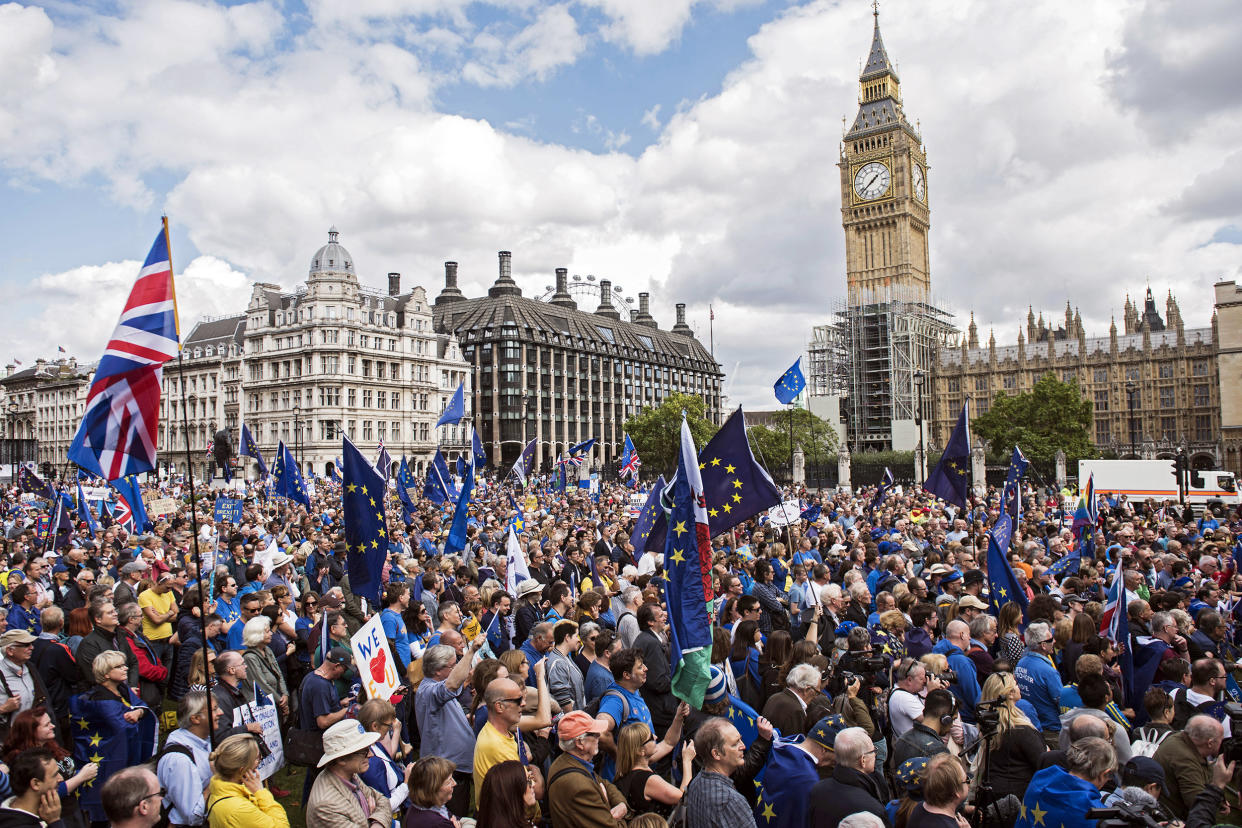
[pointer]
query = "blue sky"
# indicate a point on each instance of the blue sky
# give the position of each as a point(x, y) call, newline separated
point(686, 147)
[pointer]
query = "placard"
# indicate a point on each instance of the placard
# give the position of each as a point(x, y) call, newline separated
point(161, 506)
point(229, 509)
point(785, 514)
point(267, 716)
point(374, 660)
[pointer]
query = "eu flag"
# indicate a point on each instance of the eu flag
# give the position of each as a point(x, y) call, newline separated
point(249, 449)
point(287, 477)
point(791, 383)
point(383, 462)
point(102, 735)
point(28, 481)
point(366, 534)
point(950, 480)
point(1011, 495)
point(522, 466)
point(582, 448)
point(456, 540)
point(688, 560)
point(436, 488)
point(1056, 797)
point(476, 446)
point(647, 518)
point(881, 491)
point(84, 511)
point(441, 466)
point(792, 772)
point(1085, 521)
point(461, 467)
point(1002, 583)
point(406, 486)
point(456, 408)
point(131, 497)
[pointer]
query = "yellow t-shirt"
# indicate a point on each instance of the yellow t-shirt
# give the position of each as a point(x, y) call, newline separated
point(161, 604)
point(490, 749)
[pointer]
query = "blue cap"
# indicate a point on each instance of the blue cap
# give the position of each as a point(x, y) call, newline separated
point(910, 775)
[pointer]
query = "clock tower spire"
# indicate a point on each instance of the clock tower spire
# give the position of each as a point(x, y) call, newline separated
point(884, 202)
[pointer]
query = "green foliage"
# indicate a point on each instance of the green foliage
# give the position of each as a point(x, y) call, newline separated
point(656, 432)
point(813, 434)
point(1052, 415)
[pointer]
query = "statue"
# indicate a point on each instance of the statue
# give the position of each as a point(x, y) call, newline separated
point(222, 451)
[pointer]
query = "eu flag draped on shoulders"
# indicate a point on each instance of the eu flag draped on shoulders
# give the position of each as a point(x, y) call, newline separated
point(788, 774)
point(456, 408)
point(791, 383)
point(1056, 797)
point(287, 477)
point(688, 560)
point(118, 433)
point(950, 480)
point(250, 449)
point(366, 531)
point(102, 734)
point(456, 540)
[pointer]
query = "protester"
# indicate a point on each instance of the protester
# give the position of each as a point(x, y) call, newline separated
point(236, 797)
point(853, 786)
point(339, 797)
point(184, 764)
point(577, 796)
point(1059, 795)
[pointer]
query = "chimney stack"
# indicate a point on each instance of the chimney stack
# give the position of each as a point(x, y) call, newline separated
point(562, 297)
point(505, 286)
point(681, 327)
point(643, 315)
point(394, 284)
point(605, 301)
point(451, 293)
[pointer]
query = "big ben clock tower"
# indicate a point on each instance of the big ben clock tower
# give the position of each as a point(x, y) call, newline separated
point(884, 191)
point(879, 352)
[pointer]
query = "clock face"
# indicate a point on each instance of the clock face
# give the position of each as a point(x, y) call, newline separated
point(871, 180)
point(920, 183)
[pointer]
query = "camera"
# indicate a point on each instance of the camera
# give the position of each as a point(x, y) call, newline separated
point(1127, 815)
point(987, 717)
point(841, 680)
point(947, 676)
point(1231, 748)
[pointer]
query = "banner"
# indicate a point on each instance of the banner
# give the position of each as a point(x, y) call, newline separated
point(229, 509)
point(374, 661)
point(785, 514)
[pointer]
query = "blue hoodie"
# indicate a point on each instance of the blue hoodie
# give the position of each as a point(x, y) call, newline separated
point(966, 688)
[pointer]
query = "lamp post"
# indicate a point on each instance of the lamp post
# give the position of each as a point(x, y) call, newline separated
point(525, 418)
point(12, 411)
point(297, 434)
point(1131, 389)
point(919, 378)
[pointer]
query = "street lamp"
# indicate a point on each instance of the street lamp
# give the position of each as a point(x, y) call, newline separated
point(297, 434)
point(1131, 389)
point(919, 378)
point(12, 410)
point(525, 418)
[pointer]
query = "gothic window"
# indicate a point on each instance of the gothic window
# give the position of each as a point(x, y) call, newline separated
point(1102, 434)
point(1168, 428)
point(1201, 368)
point(1202, 395)
point(1166, 398)
point(1132, 374)
point(1203, 428)
point(1165, 370)
point(1101, 400)
point(1011, 381)
point(981, 383)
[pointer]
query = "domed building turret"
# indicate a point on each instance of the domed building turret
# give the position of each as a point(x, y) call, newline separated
point(332, 257)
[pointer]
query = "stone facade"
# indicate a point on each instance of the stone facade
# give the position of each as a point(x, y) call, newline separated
point(1229, 330)
point(1170, 370)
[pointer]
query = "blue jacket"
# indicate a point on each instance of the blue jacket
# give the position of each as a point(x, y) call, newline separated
point(966, 688)
point(1040, 684)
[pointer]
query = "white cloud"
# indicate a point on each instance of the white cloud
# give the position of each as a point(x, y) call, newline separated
point(1048, 177)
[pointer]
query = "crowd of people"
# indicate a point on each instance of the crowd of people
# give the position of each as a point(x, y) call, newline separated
point(861, 672)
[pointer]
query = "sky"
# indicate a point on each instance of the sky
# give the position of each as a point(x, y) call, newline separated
point(1077, 151)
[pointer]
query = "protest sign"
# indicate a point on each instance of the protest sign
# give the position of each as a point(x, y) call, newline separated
point(374, 661)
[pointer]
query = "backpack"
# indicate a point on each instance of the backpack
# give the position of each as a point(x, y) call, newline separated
point(592, 709)
point(1183, 709)
point(1146, 741)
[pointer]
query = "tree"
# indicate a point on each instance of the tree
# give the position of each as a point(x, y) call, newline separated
point(771, 443)
point(656, 432)
point(1052, 415)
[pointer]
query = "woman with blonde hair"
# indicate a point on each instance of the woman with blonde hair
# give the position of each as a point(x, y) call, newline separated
point(645, 791)
point(236, 797)
point(1016, 748)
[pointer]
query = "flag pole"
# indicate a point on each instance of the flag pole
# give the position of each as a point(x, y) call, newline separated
point(189, 470)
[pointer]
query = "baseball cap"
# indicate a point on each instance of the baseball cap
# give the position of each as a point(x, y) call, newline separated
point(16, 637)
point(340, 655)
point(576, 723)
point(970, 602)
point(1146, 770)
point(826, 730)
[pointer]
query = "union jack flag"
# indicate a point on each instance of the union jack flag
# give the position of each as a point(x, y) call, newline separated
point(118, 432)
point(629, 459)
point(211, 448)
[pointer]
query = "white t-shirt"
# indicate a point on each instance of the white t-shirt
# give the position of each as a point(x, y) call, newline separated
point(903, 708)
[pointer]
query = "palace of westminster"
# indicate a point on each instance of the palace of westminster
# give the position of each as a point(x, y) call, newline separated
point(334, 355)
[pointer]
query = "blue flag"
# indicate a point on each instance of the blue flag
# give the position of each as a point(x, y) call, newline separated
point(793, 771)
point(476, 447)
point(249, 449)
point(688, 560)
point(1065, 567)
point(383, 462)
point(28, 481)
point(405, 485)
point(736, 487)
point(1002, 583)
point(334, 471)
point(461, 467)
point(1054, 798)
point(582, 448)
point(456, 408)
point(437, 488)
point(102, 735)
point(647, 518)
point(791, 383)
point(881, 492)
point(456, 540)
point(950, 480)
point(84, 511)
point(1011, 494)
point(522, 466)
point(129, 498)
point(366, 531)
point(287, 477)
point(744, 718)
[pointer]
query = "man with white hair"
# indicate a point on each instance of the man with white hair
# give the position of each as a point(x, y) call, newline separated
point(854, 785)
point(576, 795)
point(1184, 756)
point(862, 820)
point(1040, 682)
point(786, 710)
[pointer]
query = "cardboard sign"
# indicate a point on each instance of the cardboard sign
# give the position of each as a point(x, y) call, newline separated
point(161, 506)
point(265, 714)
point(97, 492)
point(374, 660)
point(229, 509)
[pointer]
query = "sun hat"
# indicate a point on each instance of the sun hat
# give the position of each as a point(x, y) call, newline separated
point(343, 738)
point(527, 586)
